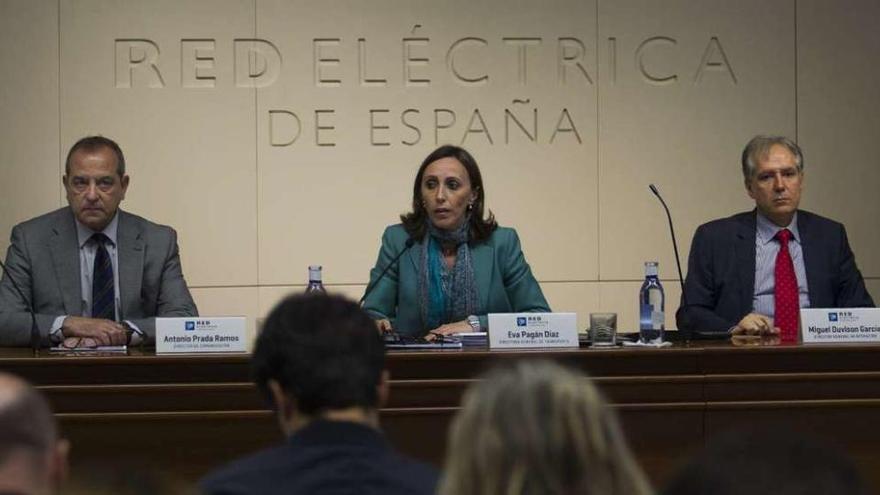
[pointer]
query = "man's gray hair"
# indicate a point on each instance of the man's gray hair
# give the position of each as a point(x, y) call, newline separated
point(759, 147)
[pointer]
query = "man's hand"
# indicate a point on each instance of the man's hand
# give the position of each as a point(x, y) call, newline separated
point(449, 329)
point(104, 332)
point(754, 324)
point(383, 325)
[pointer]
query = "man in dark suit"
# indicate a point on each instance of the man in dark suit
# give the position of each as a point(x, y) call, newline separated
point(741, 282)
point(91, 273)
point(320, 363)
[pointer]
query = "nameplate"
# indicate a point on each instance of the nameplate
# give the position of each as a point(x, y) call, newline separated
point(200, 335)
point(832, 325)
point(532, 330)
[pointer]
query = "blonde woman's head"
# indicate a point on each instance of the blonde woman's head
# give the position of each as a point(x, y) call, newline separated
point(538, 428)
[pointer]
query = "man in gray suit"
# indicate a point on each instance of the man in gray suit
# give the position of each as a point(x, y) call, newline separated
point(91, 273)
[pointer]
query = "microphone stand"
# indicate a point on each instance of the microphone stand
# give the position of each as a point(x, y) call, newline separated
point(370, 287)
point(687, 331)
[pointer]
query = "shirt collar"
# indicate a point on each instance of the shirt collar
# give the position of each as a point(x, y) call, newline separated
point(766, 230)
point(322, 432)
point(84, 233)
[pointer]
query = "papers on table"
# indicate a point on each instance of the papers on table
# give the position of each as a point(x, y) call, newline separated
point(472, 339)
point(102, 349)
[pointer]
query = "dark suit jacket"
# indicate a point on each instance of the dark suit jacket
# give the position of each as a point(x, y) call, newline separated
point(328, 458)
point(44, 259)
point(720, 284)
point(505, 283)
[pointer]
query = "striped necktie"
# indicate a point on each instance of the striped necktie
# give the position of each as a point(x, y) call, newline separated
point(103, 293)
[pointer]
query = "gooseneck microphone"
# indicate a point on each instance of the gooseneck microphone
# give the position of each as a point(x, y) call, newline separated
point(35, 332)
point(687, 333)
point(370, 287)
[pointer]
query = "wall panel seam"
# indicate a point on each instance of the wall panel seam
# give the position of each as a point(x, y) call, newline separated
point(796, 76)
point(58, 196)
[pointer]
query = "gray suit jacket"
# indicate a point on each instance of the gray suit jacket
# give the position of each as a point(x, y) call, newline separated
point(44, 260)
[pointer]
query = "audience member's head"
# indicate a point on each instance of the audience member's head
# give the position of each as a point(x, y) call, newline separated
point(32, 458)
point(765, 461)
point(320, 356)
point(537, 428)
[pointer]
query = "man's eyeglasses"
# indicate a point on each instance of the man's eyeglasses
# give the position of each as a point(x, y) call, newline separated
point(79, 343)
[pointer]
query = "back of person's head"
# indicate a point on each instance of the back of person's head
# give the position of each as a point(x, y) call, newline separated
point(538, 428)
point(323, 351)
point(32, 459)
point(768, 461)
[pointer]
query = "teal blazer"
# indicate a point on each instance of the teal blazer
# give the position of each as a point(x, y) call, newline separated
point(505, 283)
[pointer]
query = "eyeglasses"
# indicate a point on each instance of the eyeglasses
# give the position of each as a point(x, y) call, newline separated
point(79, 343)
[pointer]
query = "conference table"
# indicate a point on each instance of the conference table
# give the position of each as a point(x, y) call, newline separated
point(186, 414)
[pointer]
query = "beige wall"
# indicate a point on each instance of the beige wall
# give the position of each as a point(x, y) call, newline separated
point(298, 148)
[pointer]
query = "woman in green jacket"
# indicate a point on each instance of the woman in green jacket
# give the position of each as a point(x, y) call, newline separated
point(459, 266)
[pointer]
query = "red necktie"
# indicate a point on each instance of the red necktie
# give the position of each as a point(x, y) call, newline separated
point(786, 291)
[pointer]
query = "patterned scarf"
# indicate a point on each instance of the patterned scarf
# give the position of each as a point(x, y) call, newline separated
point(446, 295)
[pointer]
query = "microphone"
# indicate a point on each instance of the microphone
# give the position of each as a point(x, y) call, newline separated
point(687, 331)
point(35, 332)
point(370, 287)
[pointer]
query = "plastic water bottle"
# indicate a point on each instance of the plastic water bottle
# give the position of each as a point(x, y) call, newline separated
point(652, 317)
point(315, 285)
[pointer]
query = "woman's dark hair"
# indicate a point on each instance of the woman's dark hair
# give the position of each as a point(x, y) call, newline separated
point(416, 221)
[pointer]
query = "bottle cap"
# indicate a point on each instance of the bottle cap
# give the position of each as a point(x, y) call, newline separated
point(314, 272)
point(651, 268)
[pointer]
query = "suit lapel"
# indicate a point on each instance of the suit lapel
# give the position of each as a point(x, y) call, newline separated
point(130, 255)
point(483, 255)
point(745, 259)
point(808, 246)
point(415, 252)
point(65, 258)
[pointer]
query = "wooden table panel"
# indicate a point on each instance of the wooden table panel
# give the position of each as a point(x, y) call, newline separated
point(792, 386)
point(849, 424)
point(186, 444)
point(154, 397)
